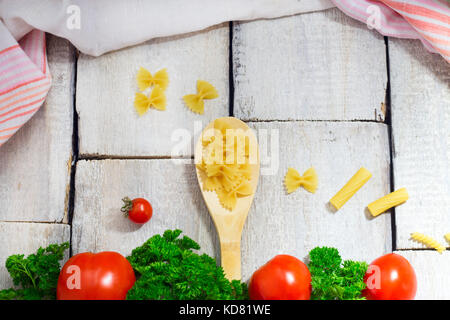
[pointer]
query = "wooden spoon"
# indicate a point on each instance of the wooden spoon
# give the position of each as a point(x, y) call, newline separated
point(229, 224)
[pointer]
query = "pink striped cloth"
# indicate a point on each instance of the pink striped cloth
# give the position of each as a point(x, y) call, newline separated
point(426, 20)
point(24, 80)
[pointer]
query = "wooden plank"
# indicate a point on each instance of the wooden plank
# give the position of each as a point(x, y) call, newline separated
point(432, 273)
point(26, 238)
point(170, 186)
point(316, 66)
point(298, 222)
point(35, 163)
point(420, 84)
point(109, 124)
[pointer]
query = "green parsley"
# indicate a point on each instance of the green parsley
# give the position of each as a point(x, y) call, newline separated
point(35, 276)
point(167, 268)
point(334, 279)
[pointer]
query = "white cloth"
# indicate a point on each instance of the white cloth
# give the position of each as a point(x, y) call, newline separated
point(107, 25)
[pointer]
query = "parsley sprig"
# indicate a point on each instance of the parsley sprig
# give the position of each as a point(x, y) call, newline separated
point(168, 268)
point(334, 279)
point(35, 276)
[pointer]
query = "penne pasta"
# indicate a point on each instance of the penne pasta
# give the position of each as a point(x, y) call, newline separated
point(388, 201)
point(350, 188)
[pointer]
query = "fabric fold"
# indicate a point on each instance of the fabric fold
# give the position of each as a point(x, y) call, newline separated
point(100, 26)
point(425, 20)
point(24, 80)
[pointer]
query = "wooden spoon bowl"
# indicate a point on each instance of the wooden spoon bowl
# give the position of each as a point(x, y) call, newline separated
point(229, 224)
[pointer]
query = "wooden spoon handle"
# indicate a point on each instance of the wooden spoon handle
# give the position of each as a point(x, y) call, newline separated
point(231, 259)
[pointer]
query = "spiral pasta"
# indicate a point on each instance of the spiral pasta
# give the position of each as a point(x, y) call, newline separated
point(447, 237)
point(428, 241)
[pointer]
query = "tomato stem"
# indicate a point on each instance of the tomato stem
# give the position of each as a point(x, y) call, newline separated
point(127, 205)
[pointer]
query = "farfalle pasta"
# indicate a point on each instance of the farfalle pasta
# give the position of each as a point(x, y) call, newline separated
point(293, 180)
point(146, 80)
point(157, 100)
point(226, 163)
point(195, 102)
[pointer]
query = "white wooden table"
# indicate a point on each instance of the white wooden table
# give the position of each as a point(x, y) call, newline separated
point(320, 89)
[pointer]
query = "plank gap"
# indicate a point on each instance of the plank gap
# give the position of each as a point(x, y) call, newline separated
point(110, 157)
point(34, 222)
point(230, 70)
point(388, 121)
point(75, 149)
point(310, 120)
point(420, 249)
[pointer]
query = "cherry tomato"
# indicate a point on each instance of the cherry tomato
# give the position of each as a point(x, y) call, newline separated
point(282, 278)
point(138, 210)
point(390, 277)
point(102, 276)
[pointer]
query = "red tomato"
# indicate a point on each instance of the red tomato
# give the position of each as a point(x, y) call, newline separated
point(282, 278)
point(138, 210)
point(390, 277)
point(102, 276)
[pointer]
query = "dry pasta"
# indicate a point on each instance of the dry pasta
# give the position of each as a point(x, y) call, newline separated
point(388, 201)
point(447, 237)
point(428, 241)
point(226, 165)
point(351, 187)
point(145, 79)
point(157, 100)
point(293, 180)
point(195, 102)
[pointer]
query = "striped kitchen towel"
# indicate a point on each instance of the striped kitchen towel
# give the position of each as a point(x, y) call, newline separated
point(426, 20)
point(24, 79)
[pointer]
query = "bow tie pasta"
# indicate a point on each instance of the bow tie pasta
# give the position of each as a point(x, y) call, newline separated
point(226, 162)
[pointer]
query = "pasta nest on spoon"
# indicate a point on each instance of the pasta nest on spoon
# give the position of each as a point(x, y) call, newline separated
point(225, 164)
